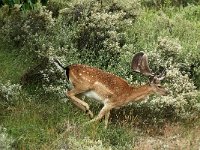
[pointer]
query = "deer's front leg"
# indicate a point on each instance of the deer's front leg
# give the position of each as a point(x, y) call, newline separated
point(107, 116)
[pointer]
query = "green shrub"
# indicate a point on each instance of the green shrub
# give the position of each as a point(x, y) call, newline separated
point(85, 144)
point(24, 5)
point(26, 31)
point(9, 94)
point(5, 140)
point(183, 97)
point(84, 32)
point(99, 31)
point(170, 40)
point(175, 28)
point(11, 27)
point(55, 6)
point(164, 3)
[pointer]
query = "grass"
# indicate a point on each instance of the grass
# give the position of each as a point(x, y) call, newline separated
point(33, 122)
point(13, 65)
point(43, 122)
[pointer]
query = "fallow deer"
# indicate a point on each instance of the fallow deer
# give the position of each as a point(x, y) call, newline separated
point(111, 90)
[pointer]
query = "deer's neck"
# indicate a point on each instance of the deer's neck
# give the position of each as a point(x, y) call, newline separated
point(140, 93)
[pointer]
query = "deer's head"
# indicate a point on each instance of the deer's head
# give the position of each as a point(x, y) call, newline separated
point(140, 64)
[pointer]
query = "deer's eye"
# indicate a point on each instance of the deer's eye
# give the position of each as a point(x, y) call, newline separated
point(159, 86)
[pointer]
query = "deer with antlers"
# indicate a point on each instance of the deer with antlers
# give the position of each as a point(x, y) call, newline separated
point(111, 90)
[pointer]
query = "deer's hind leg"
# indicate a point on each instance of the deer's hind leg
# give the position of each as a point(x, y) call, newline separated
point(79, 103)
point(105, 111)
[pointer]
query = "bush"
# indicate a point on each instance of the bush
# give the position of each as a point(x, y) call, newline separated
point(85, 144)
point(24, 5)
point(26, 31)
point(175, 28)
point(9, 94)
point(5, 140)
point(99, 31)
point(164, 3)
point(84, 33)
point(183, 97)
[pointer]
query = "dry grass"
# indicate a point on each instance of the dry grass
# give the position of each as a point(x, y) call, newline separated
point(175, 137)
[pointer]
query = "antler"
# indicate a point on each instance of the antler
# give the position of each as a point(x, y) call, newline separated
point(162, 75)
point(140, 64)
